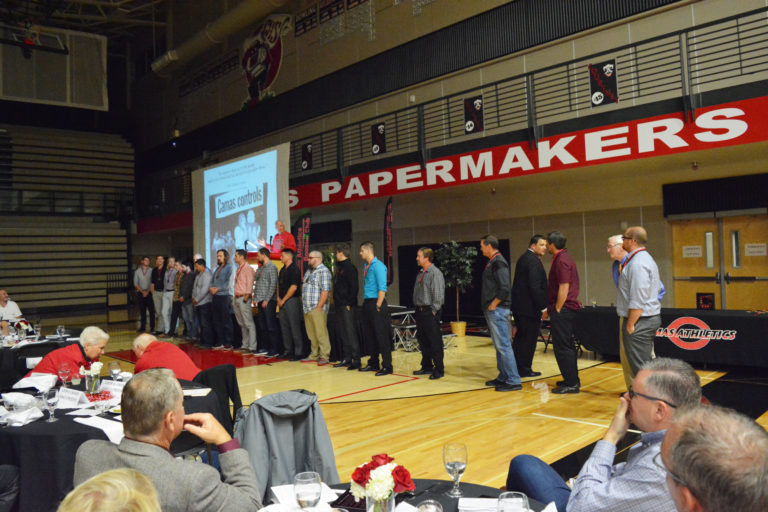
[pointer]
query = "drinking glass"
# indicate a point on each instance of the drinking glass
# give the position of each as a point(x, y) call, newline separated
point(513, 502)
point(51, 397)
point(455, 460)
point(38, 327)
point(60, 331)
point(114, 370)
point(63, 372)
point(429, 506)
point(307, 489)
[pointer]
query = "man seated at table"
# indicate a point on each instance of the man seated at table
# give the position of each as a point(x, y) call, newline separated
point(159, 354)
point(661, 389)
point(91, 347)
point(153, 416)
point(9, 312)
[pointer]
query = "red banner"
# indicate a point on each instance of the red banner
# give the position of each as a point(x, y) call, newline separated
point(739, 122)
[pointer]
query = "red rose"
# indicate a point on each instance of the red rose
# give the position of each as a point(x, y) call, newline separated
point(402, 479)
point(361, 475)
point(381, 459)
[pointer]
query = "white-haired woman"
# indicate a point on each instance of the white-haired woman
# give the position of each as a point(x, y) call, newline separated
point(91, 347)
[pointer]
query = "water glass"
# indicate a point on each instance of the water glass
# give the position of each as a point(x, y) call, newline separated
point(455, 460)
point(60, 331)
point(429, 506)
point(307, 489)
point(51, 397)
point(114, 370)
point(63, 372)
point(513, 502)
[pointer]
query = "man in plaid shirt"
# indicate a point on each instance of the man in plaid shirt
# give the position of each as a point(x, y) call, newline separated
point(314, 298)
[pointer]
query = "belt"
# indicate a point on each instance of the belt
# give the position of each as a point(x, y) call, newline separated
point(368, 300)
point(424, 308)
point(243, 295)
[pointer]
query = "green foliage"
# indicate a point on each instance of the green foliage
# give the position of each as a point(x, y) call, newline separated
point(456, 262)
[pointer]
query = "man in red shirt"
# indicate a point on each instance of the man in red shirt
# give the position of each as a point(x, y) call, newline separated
point(159, 354)
point(283, 240)
point(91, 346)
point(562, 304)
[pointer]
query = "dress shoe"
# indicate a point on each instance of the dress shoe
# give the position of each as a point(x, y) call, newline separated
point(494, 382)
point(295, 358)
point(508, 387)
point(368, 368)
point(562, 390)
point(529, 373)
point(322, 362)
point(559, 383)
point(284, 355)
point(436, 375)
point(310, 360)
point(342, 364)
point(353, 366)
point(384, 371)
point(422, 372)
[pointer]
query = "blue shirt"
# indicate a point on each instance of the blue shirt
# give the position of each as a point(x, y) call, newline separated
point(616, 273)
point(375, 279)
point(639, 285)
point(222, 279)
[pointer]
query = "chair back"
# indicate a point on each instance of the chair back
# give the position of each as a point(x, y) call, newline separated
point(222, 379)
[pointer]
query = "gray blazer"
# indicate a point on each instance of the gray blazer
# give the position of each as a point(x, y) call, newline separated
point(182, 485)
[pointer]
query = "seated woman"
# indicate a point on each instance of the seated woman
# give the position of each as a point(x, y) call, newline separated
point(91, 347)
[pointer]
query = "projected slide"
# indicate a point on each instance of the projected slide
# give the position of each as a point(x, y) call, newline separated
point(240, 203)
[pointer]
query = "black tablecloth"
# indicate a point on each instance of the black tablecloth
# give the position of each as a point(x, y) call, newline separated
point(13, 368)
point(436, 489)
point(45, 452)
point(698, 336)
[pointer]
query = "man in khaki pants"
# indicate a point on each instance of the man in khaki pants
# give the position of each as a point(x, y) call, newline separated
point(314, 298)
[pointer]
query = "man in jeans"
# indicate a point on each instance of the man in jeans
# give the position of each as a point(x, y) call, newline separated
point(221, 309)
point(495, 300)
point(562, 304)
point(201, 298)
point(314, 299)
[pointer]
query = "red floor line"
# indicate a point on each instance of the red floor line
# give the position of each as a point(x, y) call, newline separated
point(407, 377)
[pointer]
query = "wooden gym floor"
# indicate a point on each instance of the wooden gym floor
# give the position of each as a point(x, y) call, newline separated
point(411, 418)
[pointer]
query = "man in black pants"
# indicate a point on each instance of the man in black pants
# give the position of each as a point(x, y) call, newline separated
point(529, 300)
point(289, 302)
point(377, 321)
point(562, 304)
point(428, 297)
point(345, 288)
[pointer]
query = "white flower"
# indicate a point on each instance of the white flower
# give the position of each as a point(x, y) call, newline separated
point(96, 368)
point(381, 483)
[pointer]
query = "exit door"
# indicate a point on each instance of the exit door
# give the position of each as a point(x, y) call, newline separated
point(723, 258)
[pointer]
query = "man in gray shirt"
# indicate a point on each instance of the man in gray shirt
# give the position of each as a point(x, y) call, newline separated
point(142, 282)
point(201, 298)
point(169, 286)
point(428, 297)
point(637, 303)
point(221, 290)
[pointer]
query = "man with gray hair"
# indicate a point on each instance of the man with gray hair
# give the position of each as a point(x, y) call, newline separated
point(662, 388)
point(716, 459)
point(91, 347)
point(314, 299)
point(153, 416)
point(152, 353)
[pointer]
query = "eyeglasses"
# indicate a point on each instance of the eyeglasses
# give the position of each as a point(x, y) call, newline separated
point(633, 394)
point(660, 464)
point(626, 237)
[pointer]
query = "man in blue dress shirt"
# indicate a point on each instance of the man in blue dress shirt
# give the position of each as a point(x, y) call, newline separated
point(221, 290)
point(376, 320)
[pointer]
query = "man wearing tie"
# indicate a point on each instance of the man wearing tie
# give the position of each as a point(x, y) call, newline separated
point(529, 300)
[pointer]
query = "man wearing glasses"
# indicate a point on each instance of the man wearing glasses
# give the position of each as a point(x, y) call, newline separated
point(637, 303)
point(661, 389)
point(716, 459)
point(314, 299)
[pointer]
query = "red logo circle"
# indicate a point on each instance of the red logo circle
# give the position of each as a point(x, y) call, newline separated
point(688, 345)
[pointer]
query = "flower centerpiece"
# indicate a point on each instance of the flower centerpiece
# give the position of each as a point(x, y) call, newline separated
point(378, 481)
point(91, 375)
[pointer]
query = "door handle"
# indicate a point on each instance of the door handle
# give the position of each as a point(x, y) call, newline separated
point(717, 278)
point(728, 278)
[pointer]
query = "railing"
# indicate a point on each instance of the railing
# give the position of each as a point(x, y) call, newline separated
point(42, 202)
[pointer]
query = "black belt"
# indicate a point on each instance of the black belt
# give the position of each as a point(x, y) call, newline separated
point(369, 300)
point(424, 308)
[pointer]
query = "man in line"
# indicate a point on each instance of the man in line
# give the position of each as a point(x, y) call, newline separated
point(315, 290)
point(429, 297)
point(9, 311)
point(265, 297)
point(196, 324)
point(376, 320)
point(345, 288)
point(716, 459)
point(221, 309)
point(184, 289)
point(495, 301)
point(529, 300)
point(158, 275)
point(562, 304)
point(159, 354)
point(244, 277)
point(662, 389)
point(289, 302)
point(201, 298)
point(91, 347)
point(283, 240)
point(169, 290)
point(153, 416)
point(617, 253)
point(637, 303)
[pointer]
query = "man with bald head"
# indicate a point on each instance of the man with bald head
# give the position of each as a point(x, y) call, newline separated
point(159, 354)
point(283, 240)
point(716, 459)
point(314, 298)
point(637, 303)
point(9, 312)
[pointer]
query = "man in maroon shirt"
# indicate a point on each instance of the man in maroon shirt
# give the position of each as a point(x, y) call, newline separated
point(562, 304)
point(159, 354)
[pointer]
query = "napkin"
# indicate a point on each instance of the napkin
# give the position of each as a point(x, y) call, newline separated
point(478, 504)
point(113, 429)
point(197, 392)
point(21, 418)
point(406, 507)
point(284, 495)
point(42, 381)
point(32, 362)
point(125, 376)
point(21, 400)
point(550, 508)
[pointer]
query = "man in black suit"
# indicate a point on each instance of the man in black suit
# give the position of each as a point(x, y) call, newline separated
point(529, 299)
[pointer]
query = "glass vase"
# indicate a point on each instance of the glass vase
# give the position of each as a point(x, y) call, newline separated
point(385, 505)
point(92, 384)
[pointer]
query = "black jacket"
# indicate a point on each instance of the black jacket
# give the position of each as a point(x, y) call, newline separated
point(529, 288)
point(345, 284)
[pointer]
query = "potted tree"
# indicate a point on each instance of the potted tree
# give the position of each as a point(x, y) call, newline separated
point(456, 262)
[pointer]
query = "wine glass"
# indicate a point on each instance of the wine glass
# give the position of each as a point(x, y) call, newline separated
point(513, 502)
point(63, 372)
point(307, 489)
point(455, 460)
point(114, 370)
point(50, 398)
point(60, 331)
